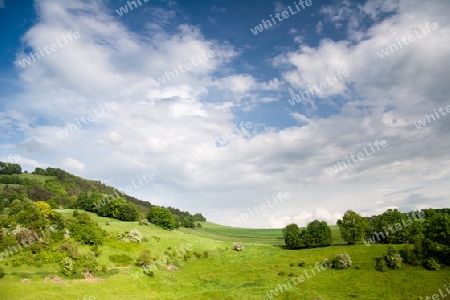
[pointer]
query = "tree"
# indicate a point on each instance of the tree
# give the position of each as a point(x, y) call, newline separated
point(390, 222)
point(318, 233)
point(161, 217)
point(291, 235)
point(46, 209)
point(436, 243)
point(84, 230)
point(352, 227)
point(128, 212)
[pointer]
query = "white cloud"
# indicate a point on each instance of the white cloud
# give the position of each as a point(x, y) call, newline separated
point(156, 129)
point(72, 164)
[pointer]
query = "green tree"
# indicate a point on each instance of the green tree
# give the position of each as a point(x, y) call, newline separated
point(128, 212)
point(352, 227)
point(390, 222)
point(161, 217)
point(291, 235)
point(436, 243)
point(84, 230)
point(318, 233)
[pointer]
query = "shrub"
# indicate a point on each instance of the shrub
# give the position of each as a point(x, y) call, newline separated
point(144, 258)
point(121, 260)
point(67, 267)
point(342, 261)
point(393, 258)
point(357, 267)
point(291, 264)
point(87, 261)
point(134, 236)
point(96, 250)
point(205, 254)
point(410, 255)
point(187, 255)
point(291, 274)
point(70, 248)
point(380, 264)
point(301, 264)
point(431, 264)
point(281, 273)
point(325, 264)
point(238, 246)
point(2, 272)
point(161, 217)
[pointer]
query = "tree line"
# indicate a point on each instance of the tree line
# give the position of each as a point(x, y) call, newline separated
point(426, 233)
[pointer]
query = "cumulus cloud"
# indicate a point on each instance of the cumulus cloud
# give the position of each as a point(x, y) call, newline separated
point(158, 128)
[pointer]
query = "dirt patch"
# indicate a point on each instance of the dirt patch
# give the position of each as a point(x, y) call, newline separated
point(172, 268)
point(54, 279)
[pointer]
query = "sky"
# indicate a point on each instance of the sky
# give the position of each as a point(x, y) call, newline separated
point(217, 107)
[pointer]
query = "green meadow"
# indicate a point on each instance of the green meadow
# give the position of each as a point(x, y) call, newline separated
point(263, 265)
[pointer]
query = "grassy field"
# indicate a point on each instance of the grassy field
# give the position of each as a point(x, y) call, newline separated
point(41, 178)
point(247, 235)
point(228, 274)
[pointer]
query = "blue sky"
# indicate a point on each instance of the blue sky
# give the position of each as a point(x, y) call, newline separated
point(51, 109)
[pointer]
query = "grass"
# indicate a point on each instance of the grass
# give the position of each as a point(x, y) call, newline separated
point(228, 274)
point(248, 235)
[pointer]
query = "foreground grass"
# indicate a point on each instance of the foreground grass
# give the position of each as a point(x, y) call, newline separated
point(227, 274)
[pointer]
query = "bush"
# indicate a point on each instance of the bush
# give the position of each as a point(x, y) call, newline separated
point(2, 272)
point(238, 246)
point(134, 236)
point(144, 258)
point(342, 261)
point(121, 260)
point(281, 273)
point(205, 254)
point(301, 264)
point(431, 264)
point(70, 248)
point(87, 261)
point(187, 255)
point(161, 217)
point(67, 267)
point(144, 222)
point(291, 264)
point(410, 255)
point(393, 258)
point(380, 264)
point(325, 264)
point(149, 273)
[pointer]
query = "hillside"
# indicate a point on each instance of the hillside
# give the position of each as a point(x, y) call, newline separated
point(61, 189)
